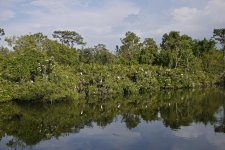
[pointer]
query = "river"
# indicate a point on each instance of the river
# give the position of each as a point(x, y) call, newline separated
point(167, 120)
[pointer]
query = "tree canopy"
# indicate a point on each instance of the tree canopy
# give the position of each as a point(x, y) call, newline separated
point(69, 38)
point(35, 67)
point(130, 48)
point(219, 35)
point(2, 32)
point(176, 50)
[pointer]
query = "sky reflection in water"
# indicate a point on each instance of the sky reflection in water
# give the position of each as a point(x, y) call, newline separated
point(174, 120)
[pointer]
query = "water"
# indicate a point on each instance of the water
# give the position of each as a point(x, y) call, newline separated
point(174, 120)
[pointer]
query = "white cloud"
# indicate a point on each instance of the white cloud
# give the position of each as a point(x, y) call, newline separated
point(196, 131)
point(215, 11)
point(6, 15)
point(6, 11)
point(107, 21)
point(185, 14)
point(200, 22)
point(195, 18)
point(51, 4)
point(94, 23)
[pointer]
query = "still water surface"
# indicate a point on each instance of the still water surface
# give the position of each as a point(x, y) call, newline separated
point(174, 120)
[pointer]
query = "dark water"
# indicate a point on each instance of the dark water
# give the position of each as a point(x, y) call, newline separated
point(176, 120)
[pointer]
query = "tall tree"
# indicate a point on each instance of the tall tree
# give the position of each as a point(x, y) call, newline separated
point(219, 35)
point(62, 54)
point(130, 48)
point(2, 32)
point(202, 46)
point(176, 49)
point(170, 47)
point(69, 38)
point(26, 42)
point(212, 62)
point(102, 54)
point(87, 55)
point(148, 51)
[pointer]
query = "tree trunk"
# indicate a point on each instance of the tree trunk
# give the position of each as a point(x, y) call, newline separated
point(176, 62)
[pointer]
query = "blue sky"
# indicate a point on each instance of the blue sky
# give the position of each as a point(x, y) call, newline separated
point(106, 21)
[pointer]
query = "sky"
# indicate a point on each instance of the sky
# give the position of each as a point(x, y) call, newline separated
point(106, 21)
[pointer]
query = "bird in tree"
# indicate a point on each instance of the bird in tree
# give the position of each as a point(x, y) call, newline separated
point(219, 35)
point(2, 32)
point(69, 38)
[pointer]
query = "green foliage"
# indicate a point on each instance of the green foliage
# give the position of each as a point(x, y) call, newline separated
point(213, 62)
point(2, 32)
point(130, 48)
point(6, 90)
point(59, 85)
point(69, 38)
point(4, 53)
point(43, 70)
point(219, 35)
point(86, 55)
point(149, 51)
point(99, 54)
point(61, 54)
point(27, 42)
point(203, 46)
point(102, 55)
point(176, 50)
point(221, 81)
point(22, 67)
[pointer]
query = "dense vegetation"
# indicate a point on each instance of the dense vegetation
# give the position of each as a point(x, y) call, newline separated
point(36, 68)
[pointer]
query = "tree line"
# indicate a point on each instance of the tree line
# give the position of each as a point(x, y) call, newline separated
point(175, 50)
point(63, 66)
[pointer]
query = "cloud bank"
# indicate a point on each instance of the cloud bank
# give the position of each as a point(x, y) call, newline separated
point(106, 21)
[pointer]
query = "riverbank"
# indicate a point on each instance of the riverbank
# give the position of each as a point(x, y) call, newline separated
point(39, 69)
point(68, 83)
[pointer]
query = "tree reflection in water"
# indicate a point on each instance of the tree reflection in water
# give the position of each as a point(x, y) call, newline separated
point(29, 124)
